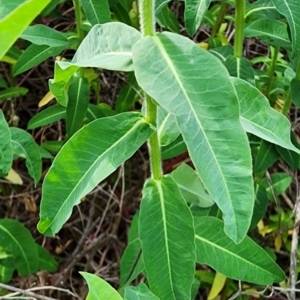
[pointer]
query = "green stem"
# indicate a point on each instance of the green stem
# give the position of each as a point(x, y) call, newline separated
point(272, 71)
point(147, 24)
point(239, 28)
point(78, 19)
point(288, 100)
point(220, 19)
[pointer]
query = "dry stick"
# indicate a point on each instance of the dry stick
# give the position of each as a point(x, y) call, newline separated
point(293, 256)
point(23, 292)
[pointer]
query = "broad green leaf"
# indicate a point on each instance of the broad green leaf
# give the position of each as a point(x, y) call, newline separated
point(6, 153)
point(240, 68)
point(140, 292)
point(34, 55)
point(163, 236)
point(262, 9)
point(79, 96)
point(191, 186)
point(207, 116)
point(259, 118)
point(97, 12)
point(47, 116)
point(194, 13)
point(92, 153)
point(13, 92)
point(222, 52)
point(246, 261)
point(24, 146)
point(266, 157)
point(174, 149)
point(44, 35)
point(46, 260)
point(290, 9)
point(15, 16)
point(272, 32)
point(106, 46)
point(99, 289)
point(167, 127)
point(167, 19)
point(17, 240)
point(95, 112)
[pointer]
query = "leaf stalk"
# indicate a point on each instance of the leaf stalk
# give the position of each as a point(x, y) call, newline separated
point(239, 28)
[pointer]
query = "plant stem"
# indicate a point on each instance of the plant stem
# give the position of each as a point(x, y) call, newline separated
point(288, 100)
point(220, 19)
point(272, 70)
point(78, 19)
point(239, 28)
point(147, 24)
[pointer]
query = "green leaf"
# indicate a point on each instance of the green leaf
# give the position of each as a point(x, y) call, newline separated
point(44, 35)
point(166, 18)
point(290, 9)
point(16, 15)
point(140, 292)
point(126, 98)
point(47, 116)
point(167, 127)
point(6, 153)
point(259, 118)
point(13, 92)
point(163, 236)
point(106, 46)
point(24, 146)
point(246, 261)
point(34, 55)
point(53, 146)
point(266, 157)
point(272, 32)
point(240, 68)
point(97, 12)
point(174, 149)
point(99, 289)
point(6, 274)
point(194, 13)
point(46, 260)
point(191, 186)
point(92, 154)
point(79, 96)
point(17, 240)
point(222, 52)
point(295, 91)
point(217, 144)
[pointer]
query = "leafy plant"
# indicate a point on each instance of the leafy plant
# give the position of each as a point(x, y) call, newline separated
point(213, 103)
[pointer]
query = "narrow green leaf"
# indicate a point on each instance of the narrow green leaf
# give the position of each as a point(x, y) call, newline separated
point(164, 236)
point(191, 186)
point(260, 119)
point(44, 35)
point(207, 116)
point(17, 240)
point(194, 13)
point(174, 149)
point(246, 261)
point(79, 96)
point(290, 9)
point(295, 91)
point(6, 274)
point(53, 146)
point(46, 260)
point(34, 55)
point(167, 127)
point(222, 52)
point(140, 292)
point(240, 68)
point(10, 25)
point(167, 19)
point(92, 154)
point(47, 116)
point(24, 146)
point(126, 98)
point(99, 289)
point(272, 32)
point(266, 157)
point(97, 12)
point(6, 153)
point(13, 92)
